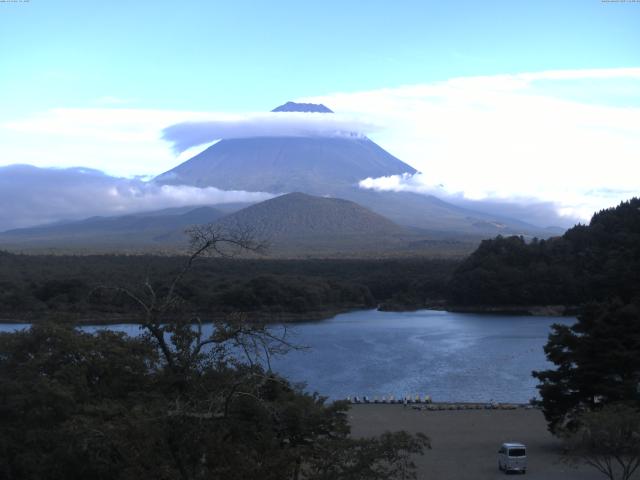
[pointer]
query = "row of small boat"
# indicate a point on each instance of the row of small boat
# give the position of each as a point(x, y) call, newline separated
point(425, 403)
point(391, 399)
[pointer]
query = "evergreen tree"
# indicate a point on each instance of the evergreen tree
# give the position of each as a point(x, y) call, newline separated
point(587, 263)
point(597, 363)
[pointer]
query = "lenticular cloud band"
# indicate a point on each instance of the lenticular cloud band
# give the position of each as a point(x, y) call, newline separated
point(282, 124)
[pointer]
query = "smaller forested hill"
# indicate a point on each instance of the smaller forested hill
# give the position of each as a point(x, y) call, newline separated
point(298, 214)
point(589, 262)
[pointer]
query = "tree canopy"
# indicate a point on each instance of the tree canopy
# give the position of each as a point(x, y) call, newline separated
point(587, 263)
point(597, 362)
point(173, 403)
point(36, 287)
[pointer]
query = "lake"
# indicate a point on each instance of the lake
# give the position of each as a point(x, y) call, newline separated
point(450, 356)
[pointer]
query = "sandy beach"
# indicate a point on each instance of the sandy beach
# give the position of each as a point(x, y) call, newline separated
point(465, 442)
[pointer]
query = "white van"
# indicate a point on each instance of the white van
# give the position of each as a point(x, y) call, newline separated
point(512, 457)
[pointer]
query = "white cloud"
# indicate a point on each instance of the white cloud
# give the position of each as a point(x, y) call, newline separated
point(561, 136)
point(511, 136)
point(119, 141)
point(591, 73)
point(129, 142)
point(280, 124)
point(41, 195)
point(543, 213)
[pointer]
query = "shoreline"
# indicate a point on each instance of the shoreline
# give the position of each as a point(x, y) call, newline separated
point(453, 405)
point(520, 310)
point(102, 318)
point(89, 319)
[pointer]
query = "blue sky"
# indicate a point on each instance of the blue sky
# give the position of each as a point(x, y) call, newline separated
point(254, 55)
point(472, 93)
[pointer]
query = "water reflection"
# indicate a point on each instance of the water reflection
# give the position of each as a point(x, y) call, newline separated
point(450, 356)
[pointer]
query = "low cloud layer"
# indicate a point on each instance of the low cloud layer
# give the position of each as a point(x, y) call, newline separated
point(129, 142)
point(527, 209)
point(281, 124)
point(557, 137)
point(569, 138)
point(33, 196)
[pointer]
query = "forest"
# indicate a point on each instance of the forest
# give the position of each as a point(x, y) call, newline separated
point(76, 405)
point(588, 263)
point(36, 287)
point(174, 403)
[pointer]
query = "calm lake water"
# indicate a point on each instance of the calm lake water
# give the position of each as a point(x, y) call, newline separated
point(450, 356)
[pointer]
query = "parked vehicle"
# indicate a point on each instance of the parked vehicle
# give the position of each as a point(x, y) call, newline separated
point(512, 457)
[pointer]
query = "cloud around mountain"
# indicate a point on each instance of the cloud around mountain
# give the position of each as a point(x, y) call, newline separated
point(568, 137)
point(189, 134)
point(527, 209)
point(34, 196)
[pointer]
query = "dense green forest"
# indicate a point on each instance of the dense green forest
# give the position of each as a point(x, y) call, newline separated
point(35, 287)
point(588, 263)
point(76, 405)
point(175, 403)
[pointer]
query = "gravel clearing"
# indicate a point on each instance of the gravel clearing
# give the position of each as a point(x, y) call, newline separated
point(465, 443)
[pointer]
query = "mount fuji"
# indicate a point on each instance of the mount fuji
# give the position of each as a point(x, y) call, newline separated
point(332, 166)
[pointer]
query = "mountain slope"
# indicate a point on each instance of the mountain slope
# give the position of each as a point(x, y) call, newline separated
point(297, 215)
point(301, 225)
point(314, 165)
point(428, 212)
point(294, 225)
point(332, 166)
point(311, 164)
point(130, 230)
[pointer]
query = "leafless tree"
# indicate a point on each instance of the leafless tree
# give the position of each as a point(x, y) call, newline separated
point(181, 339)
point(608, 440)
